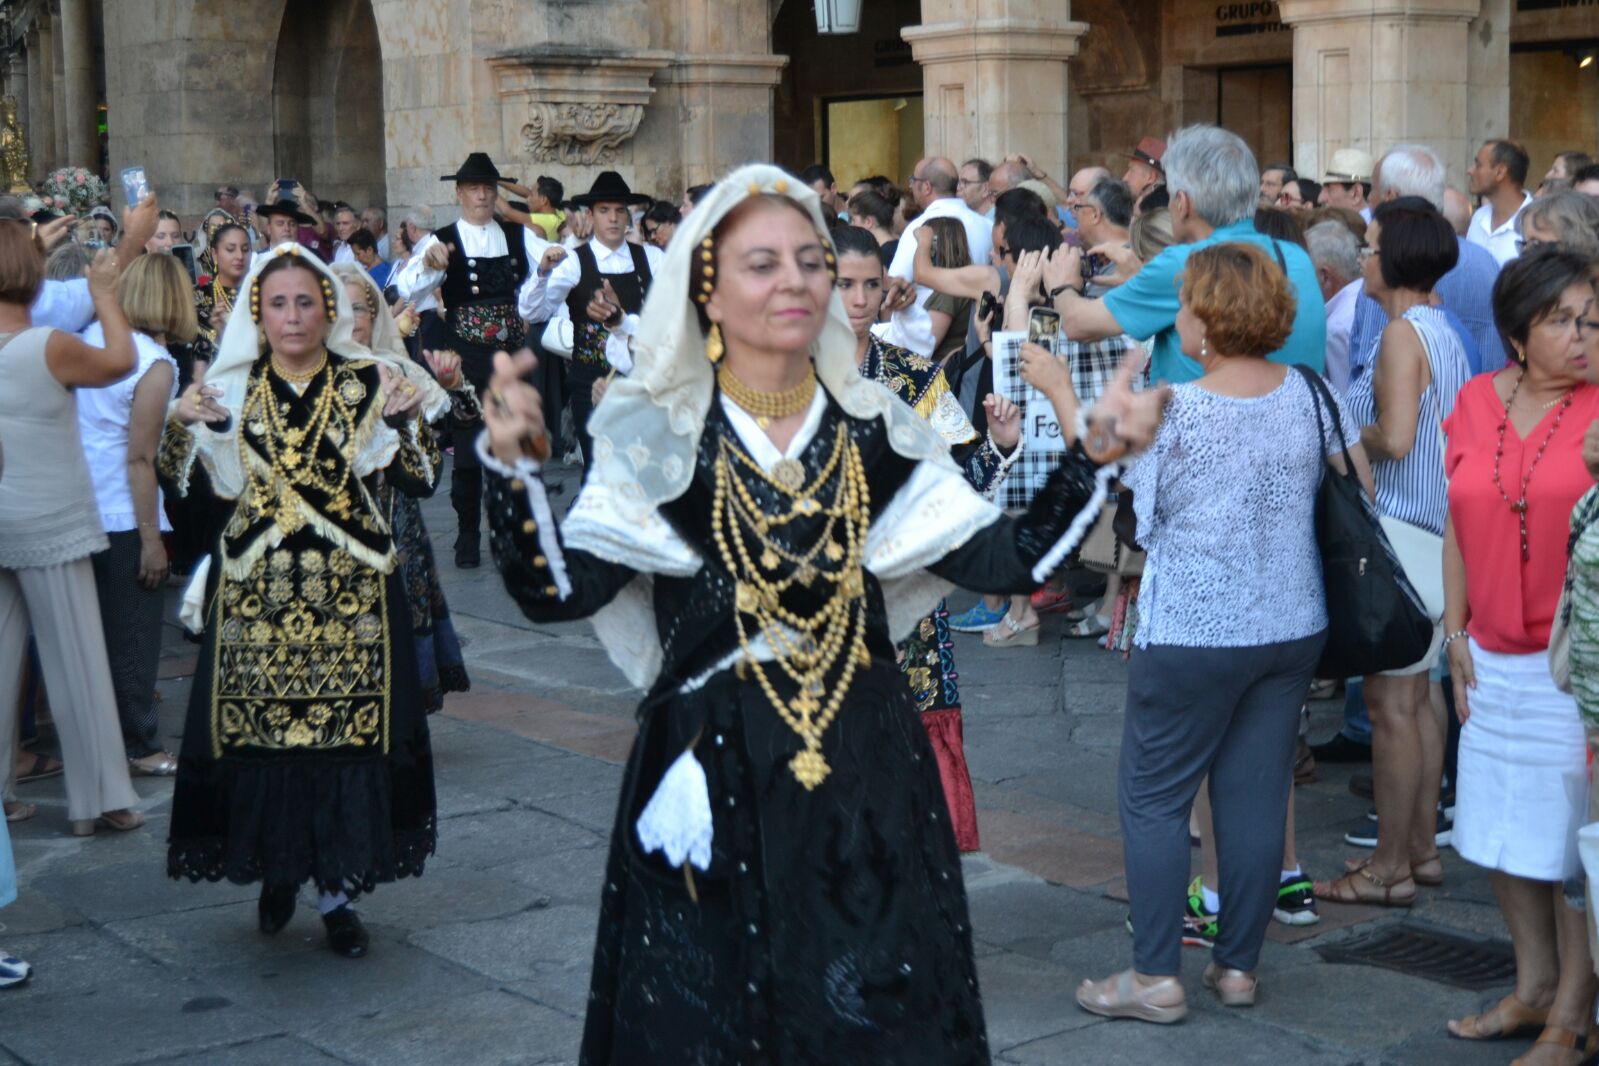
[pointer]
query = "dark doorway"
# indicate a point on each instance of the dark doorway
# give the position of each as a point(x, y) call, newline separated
point(1257, 103)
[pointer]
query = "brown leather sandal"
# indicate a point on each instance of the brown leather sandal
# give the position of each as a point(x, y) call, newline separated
point(1428, 879)
point(1346, 889)
point(1568, 1039)
point(1515, 1018)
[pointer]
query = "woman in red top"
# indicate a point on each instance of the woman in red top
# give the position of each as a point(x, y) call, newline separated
point(1515, 468)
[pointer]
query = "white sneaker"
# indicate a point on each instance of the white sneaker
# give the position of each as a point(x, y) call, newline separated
point(13, 971)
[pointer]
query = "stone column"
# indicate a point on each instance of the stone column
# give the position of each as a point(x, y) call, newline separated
point(994, 77)
point(18, 84)
point(43, 145)
point(58, 71)
point(77, 51)
point(1369, 74)
point(724, 104)
point(1488, 76)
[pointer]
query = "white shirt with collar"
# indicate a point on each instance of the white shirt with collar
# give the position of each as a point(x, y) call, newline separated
point(1340, 323)
point(417, 279)
point(542, 296)
point(1500, 242)
point(342, 252)
point(63, 305)
point(911, 327)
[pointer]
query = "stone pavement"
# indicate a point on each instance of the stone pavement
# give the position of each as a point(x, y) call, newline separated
point(486, 958)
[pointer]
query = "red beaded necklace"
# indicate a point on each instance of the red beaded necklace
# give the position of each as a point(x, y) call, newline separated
point(1519, 505)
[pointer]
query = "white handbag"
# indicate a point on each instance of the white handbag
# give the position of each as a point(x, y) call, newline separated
point(1421, 555)
point(558, 336)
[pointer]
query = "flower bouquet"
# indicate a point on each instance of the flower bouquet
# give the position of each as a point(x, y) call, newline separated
point(74, 189)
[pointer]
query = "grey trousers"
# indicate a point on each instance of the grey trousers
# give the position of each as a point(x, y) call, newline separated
point(131, 618)
point(1231, 713)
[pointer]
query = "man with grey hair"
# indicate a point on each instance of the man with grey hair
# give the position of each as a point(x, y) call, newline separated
point(1336, 254)
point(1005, 177)
point(1214, 186)
point(1465, 293)
point(376, 222)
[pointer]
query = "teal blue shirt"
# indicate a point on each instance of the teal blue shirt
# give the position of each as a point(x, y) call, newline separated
point(1146, 305)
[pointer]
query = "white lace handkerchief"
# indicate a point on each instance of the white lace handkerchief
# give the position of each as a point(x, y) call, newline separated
point(192, 610)
point(677, 820)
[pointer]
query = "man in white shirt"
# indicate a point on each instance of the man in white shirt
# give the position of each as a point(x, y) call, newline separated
point(1498, 175)
point(376, 222)
point(1336, 254)
point(480, 263)
point(933, 185)
point(603, 284)
point(345, 223)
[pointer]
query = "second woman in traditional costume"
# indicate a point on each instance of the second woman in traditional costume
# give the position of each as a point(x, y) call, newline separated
point(305, 754)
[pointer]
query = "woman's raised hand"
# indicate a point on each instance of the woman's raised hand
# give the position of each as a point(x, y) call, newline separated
point(513, 412)
point(198, 403)
point(1131, 417)
point(446, 366)
point(1004, 422)
point(401, 399)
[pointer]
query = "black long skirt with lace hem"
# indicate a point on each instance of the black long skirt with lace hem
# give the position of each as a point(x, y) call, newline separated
point(345, 822)
point(832, 925)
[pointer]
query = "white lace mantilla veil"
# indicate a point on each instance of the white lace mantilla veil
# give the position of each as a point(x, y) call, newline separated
point(647, 430)
point(388, 346)
point(240, 347)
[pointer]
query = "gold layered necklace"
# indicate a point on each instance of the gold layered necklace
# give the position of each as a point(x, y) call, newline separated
point(290, 450)
point(768, 407)
point(807, 648)
point(300, 377)
point(221, 299)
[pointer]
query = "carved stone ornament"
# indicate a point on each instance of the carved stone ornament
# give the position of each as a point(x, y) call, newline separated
point(579, 134)
point(575, 106)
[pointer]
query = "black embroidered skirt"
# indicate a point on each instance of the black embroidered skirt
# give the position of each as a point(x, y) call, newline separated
point(327, 774)
point(832, 925)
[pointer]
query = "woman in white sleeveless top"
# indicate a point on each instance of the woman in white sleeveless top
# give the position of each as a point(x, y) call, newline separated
point(1400, 401)
point(49, 526)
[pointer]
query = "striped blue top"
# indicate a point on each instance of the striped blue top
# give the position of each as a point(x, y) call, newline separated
point(1414, 489)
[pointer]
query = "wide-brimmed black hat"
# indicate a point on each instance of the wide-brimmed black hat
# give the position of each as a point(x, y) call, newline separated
point(478, 167)
point(608, 188)
point(285, 204)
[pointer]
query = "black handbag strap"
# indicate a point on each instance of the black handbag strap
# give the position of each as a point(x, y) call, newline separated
point(1321, 395)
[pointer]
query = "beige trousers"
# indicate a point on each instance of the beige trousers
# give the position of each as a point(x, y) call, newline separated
point(60, 605)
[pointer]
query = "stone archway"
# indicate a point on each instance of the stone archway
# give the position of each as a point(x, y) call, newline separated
point(327, 100)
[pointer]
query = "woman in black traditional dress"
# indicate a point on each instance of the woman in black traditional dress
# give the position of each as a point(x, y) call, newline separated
point(760, 521)
point(305, 753)
point(440, 665)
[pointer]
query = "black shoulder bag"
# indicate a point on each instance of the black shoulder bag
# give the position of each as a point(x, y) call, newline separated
point(1375, 619)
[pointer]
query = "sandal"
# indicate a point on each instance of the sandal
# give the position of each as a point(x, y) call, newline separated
point(1119, 996)
point(41, 768)
point(118, 821)
point(157, 764)
point(1515, 1018)
point(1090, 626)
point(1346, 889)
point(19, 812)
point(1008, 634)
point(1427, 878)
point(1234, 988)
point(1568, 1039)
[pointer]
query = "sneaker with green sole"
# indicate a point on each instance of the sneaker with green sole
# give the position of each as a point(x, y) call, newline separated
point(1296, 902)
point(1199, 927)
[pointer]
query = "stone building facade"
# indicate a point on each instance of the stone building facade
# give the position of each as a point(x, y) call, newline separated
point(372, 100)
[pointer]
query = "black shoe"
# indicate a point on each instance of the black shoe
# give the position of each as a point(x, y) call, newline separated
point(346, 935)
point(468, 557)
point(1341, 749)
point(1360, 785)
point(1363, 834)
point(276, 907)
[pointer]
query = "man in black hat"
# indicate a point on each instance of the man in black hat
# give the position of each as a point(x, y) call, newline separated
point(602, 283)
point(481, 263)
point(291, 216)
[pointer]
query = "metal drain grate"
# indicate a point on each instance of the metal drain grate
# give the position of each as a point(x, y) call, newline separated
point(1421, 951)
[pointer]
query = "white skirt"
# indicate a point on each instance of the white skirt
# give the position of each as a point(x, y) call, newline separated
point(1522, 790)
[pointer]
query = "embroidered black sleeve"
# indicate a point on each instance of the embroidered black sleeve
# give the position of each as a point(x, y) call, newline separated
point(529, 578)
point(980, 462)
point(175, 458)
point(1000, 558)
point(415, 468)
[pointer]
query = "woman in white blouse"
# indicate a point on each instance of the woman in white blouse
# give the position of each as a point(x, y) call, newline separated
point(121, 427)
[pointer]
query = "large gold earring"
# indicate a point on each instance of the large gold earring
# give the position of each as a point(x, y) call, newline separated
point(713, 345)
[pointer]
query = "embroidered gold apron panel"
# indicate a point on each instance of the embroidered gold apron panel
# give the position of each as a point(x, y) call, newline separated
point(302, 656)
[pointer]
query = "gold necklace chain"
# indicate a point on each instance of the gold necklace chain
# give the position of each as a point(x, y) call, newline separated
point(220, 299)
point(807, 648)
point(300, 377)
point(291, 459)
point(767, 407)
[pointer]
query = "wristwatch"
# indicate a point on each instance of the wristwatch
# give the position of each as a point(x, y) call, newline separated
point(1054, 294)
